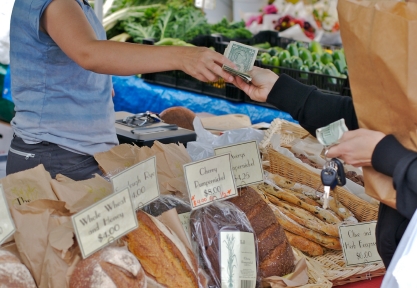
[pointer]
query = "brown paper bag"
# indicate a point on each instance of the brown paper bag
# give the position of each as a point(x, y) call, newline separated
point(26, 186)
point(380, 46)
point(170, 159)
point(80, 194)
point(44, 239)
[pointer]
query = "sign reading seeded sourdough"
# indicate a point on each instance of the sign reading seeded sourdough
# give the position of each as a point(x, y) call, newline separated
point(142, 182)
point(7, 227)
point(243, 56)
point(209, 180)
point(359, 243)
point(246, 162)
point(104, 222)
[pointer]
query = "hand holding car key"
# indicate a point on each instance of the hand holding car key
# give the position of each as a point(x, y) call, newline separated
point(333, 172)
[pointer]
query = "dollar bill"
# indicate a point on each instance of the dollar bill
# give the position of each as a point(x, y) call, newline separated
point(243, 56)
point(330, 134)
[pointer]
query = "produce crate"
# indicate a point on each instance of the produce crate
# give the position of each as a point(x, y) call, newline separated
point(183, 81)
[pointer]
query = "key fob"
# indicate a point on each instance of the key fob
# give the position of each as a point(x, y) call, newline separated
point(341, 176)
point(329, 177)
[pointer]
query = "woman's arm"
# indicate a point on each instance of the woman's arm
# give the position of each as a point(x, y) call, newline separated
point(65, 22)
point(310, 107)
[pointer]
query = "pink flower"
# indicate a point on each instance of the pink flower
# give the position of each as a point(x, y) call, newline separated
point(270, 9)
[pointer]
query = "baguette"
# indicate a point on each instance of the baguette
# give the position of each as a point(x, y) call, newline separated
point(304, 245)
point(319, 212)
point(303, 197)
point(292, 226)
point(304, 218)
point(336, 206)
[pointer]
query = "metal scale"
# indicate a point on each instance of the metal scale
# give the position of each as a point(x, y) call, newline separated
point(143, 129)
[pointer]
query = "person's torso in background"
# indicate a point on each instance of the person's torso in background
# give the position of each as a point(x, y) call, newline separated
point(55, 99)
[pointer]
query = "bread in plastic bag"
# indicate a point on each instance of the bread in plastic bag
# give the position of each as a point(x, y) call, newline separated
point(165, 203)
point(206, 224)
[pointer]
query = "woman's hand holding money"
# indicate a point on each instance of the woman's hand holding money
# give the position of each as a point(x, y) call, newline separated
point(204, 64)
point(262, 82)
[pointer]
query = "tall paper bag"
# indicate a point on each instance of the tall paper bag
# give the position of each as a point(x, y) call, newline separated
point(379, 38)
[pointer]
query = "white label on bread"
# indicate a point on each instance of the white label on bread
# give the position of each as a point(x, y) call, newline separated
point(7, 227)
point(237, 259)
point(359, 243)
point(246, 162)
point(142, 181)
point(209, 180)
point(186, 224)
point(104, 222)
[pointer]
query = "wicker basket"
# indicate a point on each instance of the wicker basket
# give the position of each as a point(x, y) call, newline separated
point(332, 262)
point(288, 132)
point(282, 165)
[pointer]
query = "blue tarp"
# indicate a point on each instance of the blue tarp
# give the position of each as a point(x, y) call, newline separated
point(134, 95)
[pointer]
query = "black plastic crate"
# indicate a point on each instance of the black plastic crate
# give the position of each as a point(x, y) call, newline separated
point(326, 83)
point(183, 81)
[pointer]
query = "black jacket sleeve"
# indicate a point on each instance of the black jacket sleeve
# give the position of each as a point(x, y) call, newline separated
point(310, 107)
point(393, 159)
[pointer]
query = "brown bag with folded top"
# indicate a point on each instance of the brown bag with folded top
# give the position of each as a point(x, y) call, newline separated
point(379, 38)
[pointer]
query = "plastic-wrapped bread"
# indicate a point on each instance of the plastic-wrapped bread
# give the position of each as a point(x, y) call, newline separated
point(112, 267)
point(14, 274)
point(162, 254)
point(206, 225)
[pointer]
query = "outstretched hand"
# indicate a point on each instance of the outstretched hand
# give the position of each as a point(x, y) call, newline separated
point(356, 147)
point(262, 82)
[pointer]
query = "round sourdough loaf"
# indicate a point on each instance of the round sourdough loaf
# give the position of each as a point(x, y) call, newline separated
point(112, 267)
point(181, 116)
point(13, 274)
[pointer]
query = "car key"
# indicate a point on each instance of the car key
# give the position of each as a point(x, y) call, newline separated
point(329, 180)
point(341, 176)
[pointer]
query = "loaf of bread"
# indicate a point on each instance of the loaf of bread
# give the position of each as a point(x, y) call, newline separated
point(112, 267)
point(165, 203)
point(304, 245)
point(162, 254)
point(206, 225)
point(275, 254)
point(13, 274)
point(181, 116)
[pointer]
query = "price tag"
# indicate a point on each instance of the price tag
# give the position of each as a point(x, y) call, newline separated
point(7, 227)
point(246, 162)
point(237, 259)
point(209, 180)
point(359, 243)
point(142, 181)
point(104, 222)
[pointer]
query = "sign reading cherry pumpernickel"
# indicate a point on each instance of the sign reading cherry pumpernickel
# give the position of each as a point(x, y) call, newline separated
point(209, 180)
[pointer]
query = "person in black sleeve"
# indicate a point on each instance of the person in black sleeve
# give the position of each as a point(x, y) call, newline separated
point(359, 147)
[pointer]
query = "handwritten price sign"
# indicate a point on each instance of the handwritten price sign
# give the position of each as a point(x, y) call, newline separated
point(104, 222)
point(246, 162)
point(7, 227)
point(359, 243)
point(210, 180)
point(142, 181)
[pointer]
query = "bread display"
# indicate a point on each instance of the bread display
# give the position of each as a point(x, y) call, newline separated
point(206, 224)
point(13, 274)
point(162, 254)
point(275, 254)
point(111, 267)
